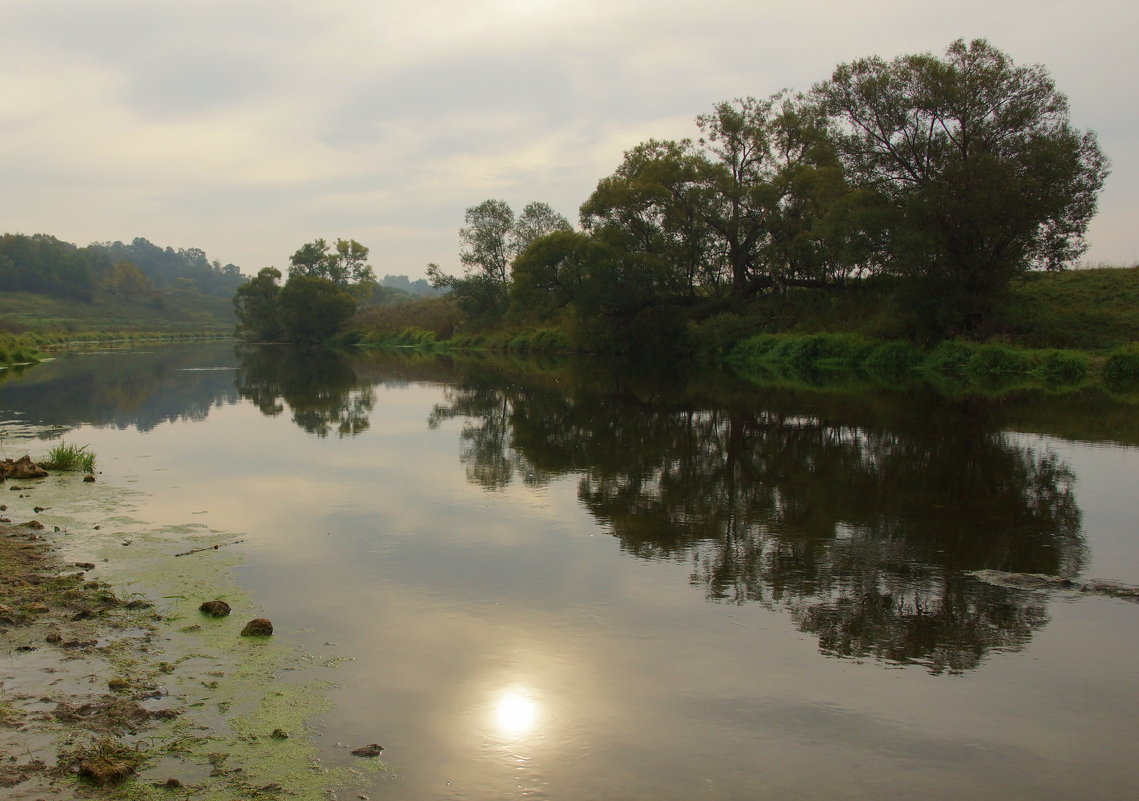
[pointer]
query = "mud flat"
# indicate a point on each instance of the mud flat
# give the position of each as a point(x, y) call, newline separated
point(114, 684)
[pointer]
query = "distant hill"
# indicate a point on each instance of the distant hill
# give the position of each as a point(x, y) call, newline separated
point(49, 284)
point(185, 268)
point(412, 288)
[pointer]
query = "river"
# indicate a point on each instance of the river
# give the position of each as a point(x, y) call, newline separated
point(560, 581)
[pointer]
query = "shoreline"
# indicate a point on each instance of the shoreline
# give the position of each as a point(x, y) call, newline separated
point(115, 686)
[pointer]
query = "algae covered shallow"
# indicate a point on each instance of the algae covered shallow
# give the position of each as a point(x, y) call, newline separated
point(189, 708)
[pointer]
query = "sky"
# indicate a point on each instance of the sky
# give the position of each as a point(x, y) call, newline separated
point(247, 128)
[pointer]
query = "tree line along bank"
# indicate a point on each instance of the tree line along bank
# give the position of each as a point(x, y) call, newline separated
point(927, 183)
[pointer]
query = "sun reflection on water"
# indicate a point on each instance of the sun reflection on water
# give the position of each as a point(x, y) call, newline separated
point(516, 714)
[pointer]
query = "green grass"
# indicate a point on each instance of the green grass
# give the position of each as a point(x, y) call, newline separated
point(1121, 369)
point(955, 363)
point(69, 457)
point(18, 350)
point(1095, 310)
point(175, 312)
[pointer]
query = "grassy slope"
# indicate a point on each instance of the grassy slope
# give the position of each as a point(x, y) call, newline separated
point(1093, 310)
point(182, 312)
point(1084, 309)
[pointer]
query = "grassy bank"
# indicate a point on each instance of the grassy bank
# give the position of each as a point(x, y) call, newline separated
point(1092, 310)
point(171, 312)
point(843, 358)
point(32, 325)
point(34, 347)
point(538, 340)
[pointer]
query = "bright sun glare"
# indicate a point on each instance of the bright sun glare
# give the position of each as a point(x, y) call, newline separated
point(516, 714)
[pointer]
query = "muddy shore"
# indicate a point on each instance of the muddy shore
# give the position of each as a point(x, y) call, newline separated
point(113, 683)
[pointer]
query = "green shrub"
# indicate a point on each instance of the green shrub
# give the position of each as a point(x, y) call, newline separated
point(804, 352)
point(760, 348)
point(990, 360)
point(1063, 367)
point(1122, 367)
point(721, 332)
point(825, 351)
point(893, 358)
point(949, 357)
point(550, 340)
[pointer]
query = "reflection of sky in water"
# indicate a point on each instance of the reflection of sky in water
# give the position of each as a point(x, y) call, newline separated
point(503, 646)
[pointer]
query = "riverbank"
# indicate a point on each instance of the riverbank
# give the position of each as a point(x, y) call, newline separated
point(20, 350)
point(115, 686)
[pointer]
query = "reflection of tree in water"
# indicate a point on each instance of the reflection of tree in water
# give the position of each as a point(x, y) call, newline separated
point(319, 387)
point(486, 437)
point(131, 387)
point(857, 516)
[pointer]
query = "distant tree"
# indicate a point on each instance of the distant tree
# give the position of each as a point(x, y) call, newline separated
point(489, 243)
point(345, 264)
point(311, 309)
point(976, 162)
point(185, 269)
point(45, 265)
point(486, 241)
point(419, 286)
point(256, 307)
point(127, 280)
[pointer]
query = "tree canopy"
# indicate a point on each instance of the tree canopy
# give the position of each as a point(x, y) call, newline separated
point(311, 307)
point(344, 263)
point(938, 178)
point(975, 160)
point(256, 307)
point(43, 264)
point(491, 239)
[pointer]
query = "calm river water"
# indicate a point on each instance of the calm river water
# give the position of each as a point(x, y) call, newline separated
point(558, 582)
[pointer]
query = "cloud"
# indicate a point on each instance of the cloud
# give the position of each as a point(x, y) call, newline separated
point(246, 127)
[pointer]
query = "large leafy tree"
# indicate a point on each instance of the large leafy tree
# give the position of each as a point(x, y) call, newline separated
point(344, 263)
point(651, 205)
point(255, 304)
point(759, 201)
point(976, 162)
point(311, 309)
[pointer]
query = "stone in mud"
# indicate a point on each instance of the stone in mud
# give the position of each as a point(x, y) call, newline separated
point(371, 750)
point(216, 609)
point(258, 627)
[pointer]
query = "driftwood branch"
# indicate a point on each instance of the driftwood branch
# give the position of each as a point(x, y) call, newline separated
point(208, 548)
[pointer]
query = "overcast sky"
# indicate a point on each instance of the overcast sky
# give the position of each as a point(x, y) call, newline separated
point(249, 127)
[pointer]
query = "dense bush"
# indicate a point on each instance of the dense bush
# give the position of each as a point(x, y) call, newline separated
point(995, 360)
point(893, 358)
point(949, 357)
point(1063, 367)
point(1122, 367)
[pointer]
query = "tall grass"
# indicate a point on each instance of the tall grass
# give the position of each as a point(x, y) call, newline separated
point(964, 363)
point(69, 457)
point(1121, 370)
